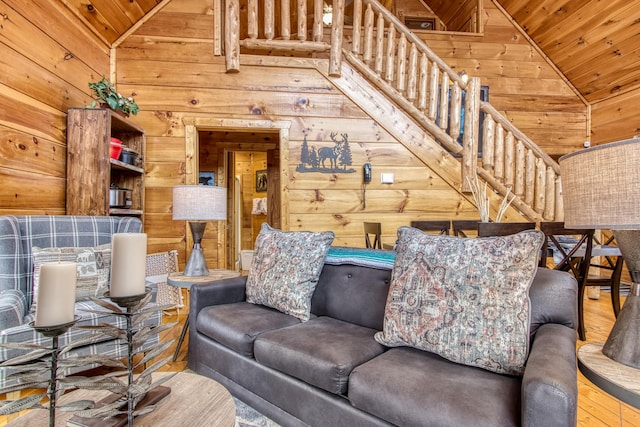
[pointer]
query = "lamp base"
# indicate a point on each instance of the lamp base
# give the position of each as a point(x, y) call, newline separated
point(623, 344)
point(196, 265)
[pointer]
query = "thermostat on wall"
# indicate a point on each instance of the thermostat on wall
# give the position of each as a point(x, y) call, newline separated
point(386, 178)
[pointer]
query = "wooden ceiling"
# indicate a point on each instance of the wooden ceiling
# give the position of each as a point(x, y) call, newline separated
point(111, 19)
point(595, 43)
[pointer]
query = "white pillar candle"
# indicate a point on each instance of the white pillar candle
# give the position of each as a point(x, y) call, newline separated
point(56, 294)
point(128, 264)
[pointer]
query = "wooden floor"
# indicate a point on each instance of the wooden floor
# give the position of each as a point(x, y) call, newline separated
point(595, 407)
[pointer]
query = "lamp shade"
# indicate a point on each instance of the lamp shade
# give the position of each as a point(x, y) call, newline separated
point(199, 203)
point(601, 186)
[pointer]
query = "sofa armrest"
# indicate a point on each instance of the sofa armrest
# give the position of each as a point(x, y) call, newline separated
point(550, 381)
point(13, 308)
point(223, 291)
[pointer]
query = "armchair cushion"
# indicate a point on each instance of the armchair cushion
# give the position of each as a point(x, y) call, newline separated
point(93, 266)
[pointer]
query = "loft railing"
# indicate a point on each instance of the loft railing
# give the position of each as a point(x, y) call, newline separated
point(407, 71)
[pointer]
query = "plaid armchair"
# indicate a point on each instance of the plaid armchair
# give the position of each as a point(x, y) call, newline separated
point(18, 234)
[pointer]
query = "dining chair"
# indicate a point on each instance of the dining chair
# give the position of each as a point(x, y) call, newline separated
point(442, 226)
point(375, 229)
point(570, 250)
point(605, 269)
point(488, 229)
point(465, 227)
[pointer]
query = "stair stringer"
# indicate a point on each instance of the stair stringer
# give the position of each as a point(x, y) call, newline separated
point(408, 133)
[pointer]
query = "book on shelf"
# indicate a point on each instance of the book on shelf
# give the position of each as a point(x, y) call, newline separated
point(152, 397)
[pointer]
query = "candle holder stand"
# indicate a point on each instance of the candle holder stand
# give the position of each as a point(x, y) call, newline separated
point(53, 332)
point(129, 303)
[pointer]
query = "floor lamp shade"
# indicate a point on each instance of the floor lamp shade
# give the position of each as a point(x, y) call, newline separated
point(198, 204)
point(601, 189)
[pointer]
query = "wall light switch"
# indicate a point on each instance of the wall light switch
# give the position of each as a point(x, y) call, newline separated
point(386, 178)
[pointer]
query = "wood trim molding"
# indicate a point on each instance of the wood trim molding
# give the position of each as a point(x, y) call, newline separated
point(195, 124)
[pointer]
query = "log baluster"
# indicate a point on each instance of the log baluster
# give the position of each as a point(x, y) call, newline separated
point(433, 91)
point(550, 195)
point(456, 109)
point(217, 27)
point(252, 19)
point(379, 44)
point(412, 73)
point(401, 80)
point(357, 20)
point(367, 54)
point(509, 160)
point(423, 82)
point(498, 157)
point(488, 143)
point(269, 19)
point(470, 136)
point(391, 54)
point(337, 30)
point(559, 208)
point(318, 25)
point(285, 19)
point(519, 184)
point(444, 101)
point(530, 178)
point(540, 191)
point(232, 41)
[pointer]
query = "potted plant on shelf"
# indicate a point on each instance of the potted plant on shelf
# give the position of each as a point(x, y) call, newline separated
point(105, 93)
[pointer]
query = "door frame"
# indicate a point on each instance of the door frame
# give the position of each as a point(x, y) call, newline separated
point(192, 125)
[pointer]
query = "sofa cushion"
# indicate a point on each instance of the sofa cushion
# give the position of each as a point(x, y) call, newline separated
point(464, 299)
point(321, 352)
point(285, 269)
point(352, 293)
point(410, 387)
point(237, 325)
point(92, 269)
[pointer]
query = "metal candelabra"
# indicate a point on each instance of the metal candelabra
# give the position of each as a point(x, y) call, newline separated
point(53, 332)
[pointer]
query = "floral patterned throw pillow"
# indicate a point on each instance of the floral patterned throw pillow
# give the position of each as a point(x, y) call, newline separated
point(464, 299)
point(285, 269)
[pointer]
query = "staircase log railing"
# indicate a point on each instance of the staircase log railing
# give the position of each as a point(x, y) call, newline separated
point(403, 67)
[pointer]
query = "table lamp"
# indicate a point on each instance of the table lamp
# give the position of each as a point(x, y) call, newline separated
point(198, 204)
point(601, 189)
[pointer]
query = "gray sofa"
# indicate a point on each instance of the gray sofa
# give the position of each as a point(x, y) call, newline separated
point(330, 371)
point(18, 235)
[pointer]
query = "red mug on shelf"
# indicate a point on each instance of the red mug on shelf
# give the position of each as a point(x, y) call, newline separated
point(116, 148)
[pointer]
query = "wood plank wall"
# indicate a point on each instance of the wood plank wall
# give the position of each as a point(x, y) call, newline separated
point(615, 118)
point(168, 65)
point(47, 60)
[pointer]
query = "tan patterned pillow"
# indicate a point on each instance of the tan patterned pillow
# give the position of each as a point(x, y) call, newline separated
point(464, 299)
point(285, 269)
point(93, 266)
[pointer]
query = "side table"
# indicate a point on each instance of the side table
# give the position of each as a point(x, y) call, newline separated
point(618, 380)
point(179, 280)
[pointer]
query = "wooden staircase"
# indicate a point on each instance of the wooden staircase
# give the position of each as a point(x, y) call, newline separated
point(389, 56)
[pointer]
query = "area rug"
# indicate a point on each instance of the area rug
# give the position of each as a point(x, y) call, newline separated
point(246, 416)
